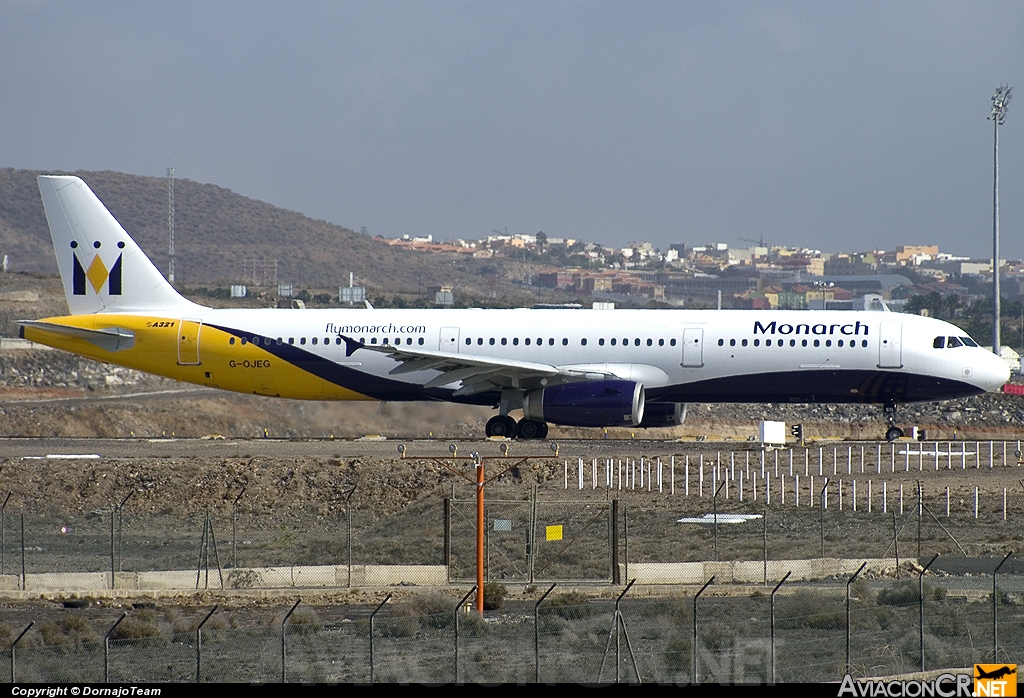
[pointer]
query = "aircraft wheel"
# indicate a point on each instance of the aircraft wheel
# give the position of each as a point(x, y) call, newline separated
point(893, 433)
point(531, 429)
point(500, 425)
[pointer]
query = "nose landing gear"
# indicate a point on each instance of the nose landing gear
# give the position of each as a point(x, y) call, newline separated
point(893, 432)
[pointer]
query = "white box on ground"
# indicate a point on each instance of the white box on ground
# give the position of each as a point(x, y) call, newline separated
point(772, 432)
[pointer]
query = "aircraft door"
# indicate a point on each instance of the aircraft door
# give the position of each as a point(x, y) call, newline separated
point(449, 339)
point(188, 342)
point(890, 344)
point(693, 347)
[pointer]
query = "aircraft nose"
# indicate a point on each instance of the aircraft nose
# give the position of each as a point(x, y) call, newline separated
point(996, 373)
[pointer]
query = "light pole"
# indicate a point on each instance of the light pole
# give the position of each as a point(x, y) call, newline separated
point(1000, 103)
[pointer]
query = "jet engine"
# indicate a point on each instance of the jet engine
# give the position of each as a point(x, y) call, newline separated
point(609, 403)
point(663, 414)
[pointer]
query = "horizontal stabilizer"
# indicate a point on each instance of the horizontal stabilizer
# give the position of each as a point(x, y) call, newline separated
point(108, 339)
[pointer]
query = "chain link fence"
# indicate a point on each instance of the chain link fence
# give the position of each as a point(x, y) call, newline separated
point(660, 520)
point(799, 634)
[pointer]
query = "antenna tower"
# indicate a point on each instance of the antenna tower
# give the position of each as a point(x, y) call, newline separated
point(170, 222)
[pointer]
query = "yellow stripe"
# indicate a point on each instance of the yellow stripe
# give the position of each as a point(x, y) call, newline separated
point(236, 367)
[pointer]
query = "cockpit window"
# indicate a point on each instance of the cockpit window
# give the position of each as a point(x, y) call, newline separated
point(939, 342)
point(953, 342)
point(968, 341)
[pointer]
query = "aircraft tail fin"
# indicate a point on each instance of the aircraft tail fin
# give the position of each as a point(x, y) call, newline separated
point(102, 267)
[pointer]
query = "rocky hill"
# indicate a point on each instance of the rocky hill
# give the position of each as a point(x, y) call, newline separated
point(219, 233)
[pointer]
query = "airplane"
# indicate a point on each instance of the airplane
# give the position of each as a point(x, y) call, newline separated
point(580, 367)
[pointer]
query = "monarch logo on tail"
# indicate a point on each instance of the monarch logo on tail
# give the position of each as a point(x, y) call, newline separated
point(96, 274)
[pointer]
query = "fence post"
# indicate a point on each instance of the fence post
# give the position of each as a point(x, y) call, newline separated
point(3, 533)
point(616, 572)
point(995, 606)
point(777, 587)
point(284, 622)
point(348, 523)
point(822, 504)
point(536, 634)
point(15, 644)
point(373, 616)
point(199, 644)
point(120, 532)
point(457, 608)
point(714, 501)
point(849, 582)
point(106, 647)
point(24, 576)
point(920, 605)
point(695, 597)
point(234, 530)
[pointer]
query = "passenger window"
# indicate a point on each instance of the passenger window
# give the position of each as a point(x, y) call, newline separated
point(527, 341)
point(468, 341)
point(767, 342)
point(231, 340)
point(744, 342)
point(732, 342)
point(515, 341)
point(244, 341)
point(600, 342)
point(840, 343)
point(661, 342)
point(757, 342)
point(803, 342)
point(565, 341)
point(583, 342)
point(636, 341)
point(672, 342)
point(491, 341)
point(828, 342)
point(302, 340)
point(721, 342)
point(613, 341)
point(421, 341)
point(817, 342)
point(504, 341)
point(864, 342)
point(551, 341)
point(650, 342)
point(373, 340)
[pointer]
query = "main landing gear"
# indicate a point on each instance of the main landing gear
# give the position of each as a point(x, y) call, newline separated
point(503, 425)
point(893, 432)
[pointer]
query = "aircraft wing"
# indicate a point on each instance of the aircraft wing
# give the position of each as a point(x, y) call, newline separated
point(475, 373)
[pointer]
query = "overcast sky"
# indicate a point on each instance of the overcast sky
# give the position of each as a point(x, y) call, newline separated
point(837, 126)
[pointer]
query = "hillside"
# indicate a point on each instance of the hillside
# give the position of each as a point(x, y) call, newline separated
point(217, 232)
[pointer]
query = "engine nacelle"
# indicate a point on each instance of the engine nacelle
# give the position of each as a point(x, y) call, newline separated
point(610, 403)
point(663, 414)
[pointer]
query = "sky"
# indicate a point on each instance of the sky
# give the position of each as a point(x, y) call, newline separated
point(834, 126)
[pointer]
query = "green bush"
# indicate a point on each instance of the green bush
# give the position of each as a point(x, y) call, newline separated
point(494, 595)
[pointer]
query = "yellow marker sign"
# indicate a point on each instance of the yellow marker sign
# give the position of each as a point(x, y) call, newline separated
point(554, 532)
point(995, 679)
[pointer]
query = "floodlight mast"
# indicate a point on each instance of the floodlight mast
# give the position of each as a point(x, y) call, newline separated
point(1000, 104)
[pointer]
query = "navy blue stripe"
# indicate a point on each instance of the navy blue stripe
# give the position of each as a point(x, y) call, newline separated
point(377, 387)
